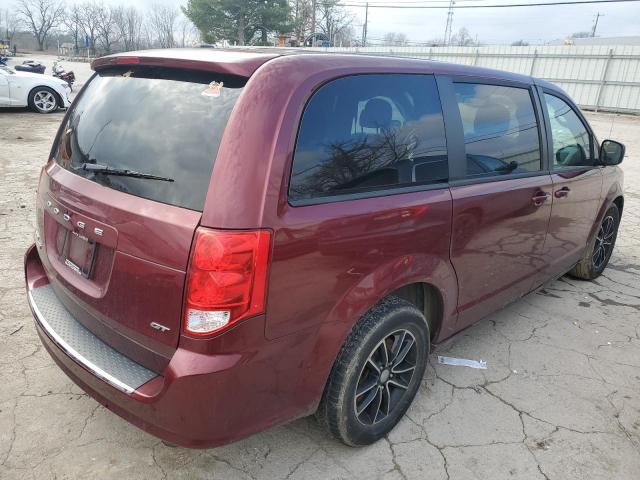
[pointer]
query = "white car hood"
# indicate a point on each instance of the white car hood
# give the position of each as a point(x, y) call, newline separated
point(48, 78)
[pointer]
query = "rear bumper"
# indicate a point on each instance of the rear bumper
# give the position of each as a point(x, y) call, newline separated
point(200, 400)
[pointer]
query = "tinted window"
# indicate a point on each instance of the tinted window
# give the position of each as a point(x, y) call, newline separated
point(500, 129)
point(155, 121)
point(368, 133)
point(571, 140)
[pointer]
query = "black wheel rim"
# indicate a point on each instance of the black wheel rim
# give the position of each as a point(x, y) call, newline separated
point(385, 377)
point(604, 242)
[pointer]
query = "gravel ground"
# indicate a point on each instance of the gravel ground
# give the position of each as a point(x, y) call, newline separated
point(560, 398)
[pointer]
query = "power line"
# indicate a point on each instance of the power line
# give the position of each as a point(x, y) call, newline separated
point(510, 5)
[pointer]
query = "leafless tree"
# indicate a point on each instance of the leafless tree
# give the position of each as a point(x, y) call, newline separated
point(187, 31)
point(162, 20)
point(395, 39)
point(72, 20)
point(40, 16)
point(345, 37)
point(333, 19)
point(9, 24)
point(303, 14)
point(89, 19)
point(106, 28)
point(462, 38)
point(128, 23)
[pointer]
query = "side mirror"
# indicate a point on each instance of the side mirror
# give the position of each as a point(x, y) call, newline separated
point(611, 152)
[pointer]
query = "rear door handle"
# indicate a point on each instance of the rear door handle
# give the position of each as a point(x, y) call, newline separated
point(539, 198)
point(562, 193)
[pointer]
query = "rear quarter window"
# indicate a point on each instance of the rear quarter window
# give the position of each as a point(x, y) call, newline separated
point(156, 121)
point(369, 133)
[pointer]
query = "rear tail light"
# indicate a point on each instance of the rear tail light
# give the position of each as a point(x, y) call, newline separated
point(227, 279)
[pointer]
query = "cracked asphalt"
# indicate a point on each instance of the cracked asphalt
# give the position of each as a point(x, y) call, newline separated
point(560, 398)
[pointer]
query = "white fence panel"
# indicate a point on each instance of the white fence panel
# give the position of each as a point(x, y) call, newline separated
point(598, 77)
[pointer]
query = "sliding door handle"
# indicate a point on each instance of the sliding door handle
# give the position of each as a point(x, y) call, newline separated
point(562, 193)
point(539, 198)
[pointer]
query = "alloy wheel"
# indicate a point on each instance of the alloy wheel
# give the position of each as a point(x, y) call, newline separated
point(45, 101)
point(385, 377)
point(604, 242)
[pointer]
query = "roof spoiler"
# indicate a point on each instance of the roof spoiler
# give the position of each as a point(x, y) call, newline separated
point(224, 66)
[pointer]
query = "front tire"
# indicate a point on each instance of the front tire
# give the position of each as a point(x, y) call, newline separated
point(599, 250)
point(376, 374)
point(43, 100)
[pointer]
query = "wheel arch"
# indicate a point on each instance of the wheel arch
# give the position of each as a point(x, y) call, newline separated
point(613, 196)
point(619, 202)
point(426, 281)
point(428, 299)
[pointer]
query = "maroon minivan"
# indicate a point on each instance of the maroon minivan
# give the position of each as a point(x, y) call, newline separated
point(229, 240)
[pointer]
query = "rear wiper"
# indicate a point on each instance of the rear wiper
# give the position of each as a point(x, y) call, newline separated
point(122, 172)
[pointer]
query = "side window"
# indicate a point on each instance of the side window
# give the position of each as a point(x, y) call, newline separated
point(370, 133)
point(571, 139)
point(500, 129)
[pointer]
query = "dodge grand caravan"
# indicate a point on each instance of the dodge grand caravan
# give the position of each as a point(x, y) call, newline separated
point(229, 240)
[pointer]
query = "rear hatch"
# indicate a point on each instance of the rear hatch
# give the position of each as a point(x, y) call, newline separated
point(119, 203)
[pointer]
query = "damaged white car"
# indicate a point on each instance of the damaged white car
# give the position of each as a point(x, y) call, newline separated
point(41, 93)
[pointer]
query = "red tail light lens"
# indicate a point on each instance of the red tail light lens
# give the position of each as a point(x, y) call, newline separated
point(227, 279)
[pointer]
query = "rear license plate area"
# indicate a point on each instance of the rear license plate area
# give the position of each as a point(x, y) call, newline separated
point(76, 252)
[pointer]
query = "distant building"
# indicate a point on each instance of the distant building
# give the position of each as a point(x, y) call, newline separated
point(66, 49)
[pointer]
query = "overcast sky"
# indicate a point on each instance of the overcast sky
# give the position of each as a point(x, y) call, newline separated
point(491, 26)
point(505, 25)
point(496, 25)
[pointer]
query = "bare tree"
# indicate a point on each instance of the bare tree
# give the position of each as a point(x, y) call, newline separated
point(128, 22)
point(302, 18)
point(89, 19)
point(345, 37)
point(72, 20)
point(106, 28)
point(40, 16)
point(395, 39)
point(334, 19)
point(162, 20)
point(462, 38)
point(9, 24)
point(188, 33)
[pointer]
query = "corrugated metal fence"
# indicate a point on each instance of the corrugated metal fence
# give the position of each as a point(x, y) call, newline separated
point(598, 77)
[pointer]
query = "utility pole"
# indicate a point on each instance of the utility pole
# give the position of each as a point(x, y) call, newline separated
point(595, 23)
point(364, 27)
point(449, 27)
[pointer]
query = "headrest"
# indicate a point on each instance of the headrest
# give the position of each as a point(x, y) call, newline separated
point(376, 114)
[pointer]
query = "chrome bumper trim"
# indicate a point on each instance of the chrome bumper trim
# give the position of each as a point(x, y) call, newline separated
point(91, 345)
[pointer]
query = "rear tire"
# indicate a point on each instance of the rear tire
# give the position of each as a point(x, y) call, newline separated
point(376, 374)
point(598, 252)
point(43, 100)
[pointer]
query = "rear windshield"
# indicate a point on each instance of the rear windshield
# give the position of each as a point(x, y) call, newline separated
point(154, 121)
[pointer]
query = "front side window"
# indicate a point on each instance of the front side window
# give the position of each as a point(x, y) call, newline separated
point(369, 133)
point(571, 139)
point(500, 129)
